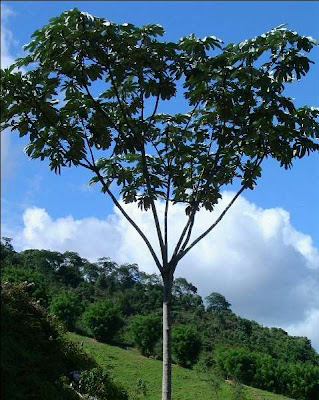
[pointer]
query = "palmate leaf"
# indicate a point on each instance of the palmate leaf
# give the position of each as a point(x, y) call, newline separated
point(238, 116)
point(238, 110)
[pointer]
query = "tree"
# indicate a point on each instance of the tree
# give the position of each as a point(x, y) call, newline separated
point(185, 294)
point(145, 331)
point(217, 302)
point(186, 345)
point(67, 306)
point(7, 251)
point(238, 117)
point(103, 319)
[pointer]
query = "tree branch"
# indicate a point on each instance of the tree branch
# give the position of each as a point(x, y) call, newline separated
point(184, 252)
point(166, 217)
point(144, 166)
point(129, 219)
point(154, 211)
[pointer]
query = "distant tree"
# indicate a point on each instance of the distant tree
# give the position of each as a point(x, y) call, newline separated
point(217, 302)
point(90, 271)
point(67, 306)
point(127, 275)
point(7, 251)
point(185, 294)
point(41, 285)
point(238, 117)
point(103, 319)
point(43, 260)
point(186, 345)
point(145, 331)
point(106, 278)
point(70, 270)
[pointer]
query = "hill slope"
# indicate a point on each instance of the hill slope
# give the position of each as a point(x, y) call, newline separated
point(134, 372)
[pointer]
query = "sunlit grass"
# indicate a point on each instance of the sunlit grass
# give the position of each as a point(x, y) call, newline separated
point(134, 372)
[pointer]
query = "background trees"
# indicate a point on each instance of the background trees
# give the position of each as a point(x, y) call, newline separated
point(103, 319)
point(34, 354)
point(217, 302)
point(186, 345)
point(67, 306)
point(146, 332)
point(240, 349)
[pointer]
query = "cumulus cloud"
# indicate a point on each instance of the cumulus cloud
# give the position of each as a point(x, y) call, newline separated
point(254, 257)
point(308, 327)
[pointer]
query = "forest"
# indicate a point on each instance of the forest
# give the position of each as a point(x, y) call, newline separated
point(46, 293)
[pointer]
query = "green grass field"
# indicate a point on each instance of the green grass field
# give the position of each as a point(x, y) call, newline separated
point(132, 370)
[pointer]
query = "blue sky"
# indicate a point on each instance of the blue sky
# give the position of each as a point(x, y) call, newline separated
point(29, 185)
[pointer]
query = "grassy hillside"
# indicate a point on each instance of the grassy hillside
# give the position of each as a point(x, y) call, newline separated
point(133, 370)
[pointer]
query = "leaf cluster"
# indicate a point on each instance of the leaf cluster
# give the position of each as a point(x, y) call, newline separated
point(94, 88)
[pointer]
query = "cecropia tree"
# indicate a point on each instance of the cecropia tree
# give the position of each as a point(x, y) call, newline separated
point(89, 93)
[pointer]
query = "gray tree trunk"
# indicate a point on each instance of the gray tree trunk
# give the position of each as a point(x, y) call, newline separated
point(167, 361)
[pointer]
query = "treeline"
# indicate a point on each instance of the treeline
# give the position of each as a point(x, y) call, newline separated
point(121, 304)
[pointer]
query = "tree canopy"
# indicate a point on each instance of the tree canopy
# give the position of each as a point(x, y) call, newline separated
point(91, 92)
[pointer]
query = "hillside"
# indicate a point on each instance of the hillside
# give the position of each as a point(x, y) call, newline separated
point(119, 304)
point(133, 371)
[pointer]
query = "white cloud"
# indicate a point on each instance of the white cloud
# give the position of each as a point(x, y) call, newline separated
point(309, 327)
point(263, 266)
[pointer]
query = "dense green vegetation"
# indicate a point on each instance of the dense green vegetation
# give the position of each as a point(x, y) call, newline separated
point(121, 305)
point(37, 362)
point(142, 376)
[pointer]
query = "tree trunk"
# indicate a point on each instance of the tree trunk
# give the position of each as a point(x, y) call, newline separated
point(167, 361)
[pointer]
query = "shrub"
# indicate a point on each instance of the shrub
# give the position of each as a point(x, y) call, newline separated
point(103, 319)
point(67, 306)
point(186, 345)
point(34, 355)
point(99, 384)
point(146, 332)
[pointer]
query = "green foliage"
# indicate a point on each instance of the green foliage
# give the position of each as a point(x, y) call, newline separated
point(237, 364)
point(7, 253)
point(217, 302)
point(40, 285)
point(185, 295)
point(67, 307)
point(146, 332)
point(34, 354)
point(298, 380)
point(239, 114)
point(186, 345)
point(103, 319)
point(129, 368)
point(263, 357)
point(98, 384)
point(238, 392)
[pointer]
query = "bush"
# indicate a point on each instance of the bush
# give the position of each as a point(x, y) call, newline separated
point(146, 332)
point(99, 384)
point(186, 345)
point(297, 380)
point(35, 358)
point(103, 320)
point(17, 274)
point(67, 306)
